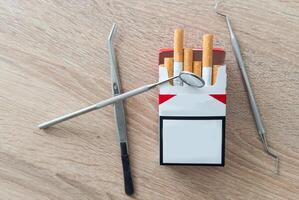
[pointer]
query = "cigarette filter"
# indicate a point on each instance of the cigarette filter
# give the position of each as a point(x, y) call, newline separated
point(207, 58)
point(197, 68)
point(215, 73)
point(168, 63)
point(188, 59)
point(178, 54)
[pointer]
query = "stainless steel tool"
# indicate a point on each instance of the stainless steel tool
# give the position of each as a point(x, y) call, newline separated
point(257, 116)
point(187, 77)
point(120, 115)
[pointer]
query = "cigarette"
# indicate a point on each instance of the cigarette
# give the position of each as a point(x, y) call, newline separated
point(178, 54)
point(188, 59)
point(207, 58)
point(215, 73)
point(197, 68)
point(168, 63)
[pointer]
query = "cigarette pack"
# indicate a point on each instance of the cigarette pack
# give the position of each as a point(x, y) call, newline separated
point(192, 120)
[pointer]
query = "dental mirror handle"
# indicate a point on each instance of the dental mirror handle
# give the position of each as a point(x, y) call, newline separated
point(103, 104)
point(96, 106)
point(252, 100)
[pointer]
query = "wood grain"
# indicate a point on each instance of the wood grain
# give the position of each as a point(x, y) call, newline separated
point(54, 60)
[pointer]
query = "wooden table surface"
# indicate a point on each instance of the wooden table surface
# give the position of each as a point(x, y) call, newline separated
point(54, 60)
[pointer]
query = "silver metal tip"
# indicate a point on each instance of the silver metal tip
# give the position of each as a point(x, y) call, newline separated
point(270, 153)
point(112, 32)
point(216, 8)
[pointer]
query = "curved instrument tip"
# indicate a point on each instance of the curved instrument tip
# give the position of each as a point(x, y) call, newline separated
point(270, 153)
point(217, 2)
point(112, 32)
point(275, 157)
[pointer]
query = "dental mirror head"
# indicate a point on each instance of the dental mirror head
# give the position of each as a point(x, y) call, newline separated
point(192, 79)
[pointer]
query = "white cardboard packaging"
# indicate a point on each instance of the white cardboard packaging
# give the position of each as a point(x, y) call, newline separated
point(192, 120)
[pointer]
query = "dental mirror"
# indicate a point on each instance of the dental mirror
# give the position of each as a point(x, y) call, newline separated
point(191, 79)
point(187, 77)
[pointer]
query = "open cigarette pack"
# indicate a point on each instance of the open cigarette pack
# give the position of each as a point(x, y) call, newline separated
point(192, 120)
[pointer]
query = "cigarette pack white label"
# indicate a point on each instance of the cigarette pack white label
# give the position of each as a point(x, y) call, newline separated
point(198, 141)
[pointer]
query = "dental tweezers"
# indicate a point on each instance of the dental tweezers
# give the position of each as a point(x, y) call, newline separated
point(120, 115)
